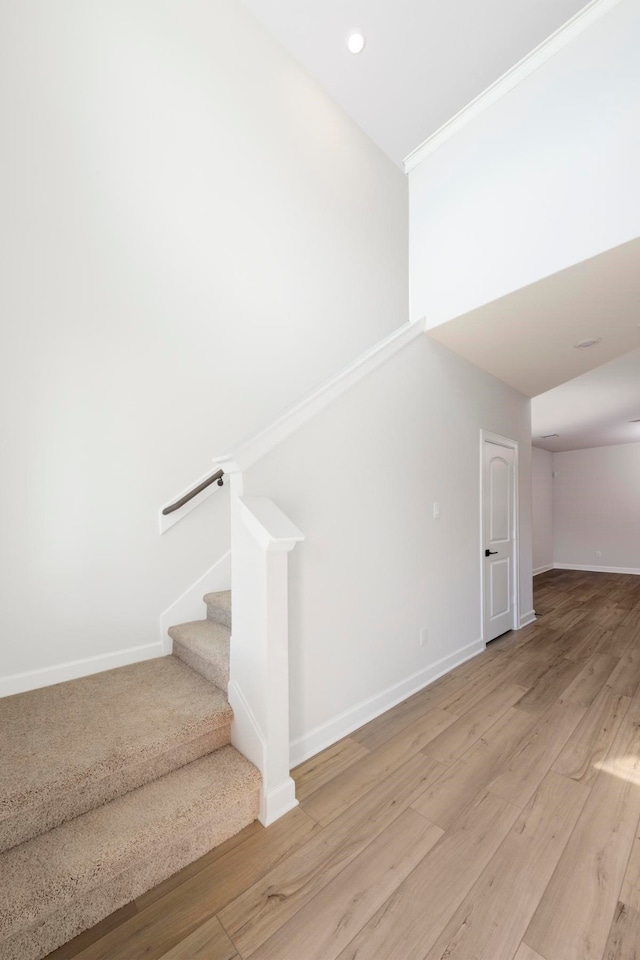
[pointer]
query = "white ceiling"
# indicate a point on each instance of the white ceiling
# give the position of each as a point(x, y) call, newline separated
point(527, 338)
point(593, 410)
point(424, 60)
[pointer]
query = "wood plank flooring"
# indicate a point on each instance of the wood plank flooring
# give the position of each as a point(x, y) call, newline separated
point(495, 815)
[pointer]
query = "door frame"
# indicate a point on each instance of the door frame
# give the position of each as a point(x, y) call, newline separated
point(486, 435)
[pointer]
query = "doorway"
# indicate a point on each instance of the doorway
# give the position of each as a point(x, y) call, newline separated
point(499, 534)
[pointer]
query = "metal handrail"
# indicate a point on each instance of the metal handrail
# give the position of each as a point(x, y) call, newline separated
point(216, 478)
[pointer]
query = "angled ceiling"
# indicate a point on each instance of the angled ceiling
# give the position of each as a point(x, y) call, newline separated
point(527, 337)
point(593, 410)
point(424, 60)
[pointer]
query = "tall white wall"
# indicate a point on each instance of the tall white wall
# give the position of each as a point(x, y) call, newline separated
point(541, 180)
point(596, 505)
point(542, 509)
point(360, 480)
point(193, 235)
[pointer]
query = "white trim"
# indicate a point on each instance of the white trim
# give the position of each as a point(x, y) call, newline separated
point(328, 733)
point(248, 740)
point(270, 527)
point(33, 679)
point(253, 449)
point(190, 605)
point(562, 37)
point(547, 566)
point(588, 567)
point(277, 801)
point(487, 436)
point(166, 522)
point(527, 618)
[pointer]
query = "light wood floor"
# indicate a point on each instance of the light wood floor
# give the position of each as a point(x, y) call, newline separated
point(493, 816)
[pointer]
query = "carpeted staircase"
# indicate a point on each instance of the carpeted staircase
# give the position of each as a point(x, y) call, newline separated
point(113, 782)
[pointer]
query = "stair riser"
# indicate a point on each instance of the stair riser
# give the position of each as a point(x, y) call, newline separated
point(70, 801)
point(211, 671)
point(218, 614)
point(92, 905)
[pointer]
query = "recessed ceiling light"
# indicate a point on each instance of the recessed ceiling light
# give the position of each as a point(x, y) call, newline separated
point(356, 42)
point(588, 343)
point(547, 436)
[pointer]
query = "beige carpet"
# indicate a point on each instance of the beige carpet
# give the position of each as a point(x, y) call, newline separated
point(219, 607)
point(204, 646)
point(71, 747)
point(111, 783)
point(59, 884)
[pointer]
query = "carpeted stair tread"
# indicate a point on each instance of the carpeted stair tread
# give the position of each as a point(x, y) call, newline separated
point(219, 606)
point(70, 747)
point(58, 884)
point(204, 646)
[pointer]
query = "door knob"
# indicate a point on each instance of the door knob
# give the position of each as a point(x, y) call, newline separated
point(489, 553)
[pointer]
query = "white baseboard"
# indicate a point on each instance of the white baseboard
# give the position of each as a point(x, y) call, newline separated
point(328, 733)
point(189, 605)
point(547, 566)
point(593, 569)
point(33, 679)
point(276, 802)
point(527, 618)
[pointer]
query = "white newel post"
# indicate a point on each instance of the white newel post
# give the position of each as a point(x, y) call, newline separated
point(261, 539)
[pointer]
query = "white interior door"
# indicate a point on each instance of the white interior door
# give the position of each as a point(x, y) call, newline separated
point(499, 538)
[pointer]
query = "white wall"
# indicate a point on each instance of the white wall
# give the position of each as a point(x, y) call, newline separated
point(193, 235)
point(542, 509)
point(543, 179)
point(360, 480)
point(596, 505)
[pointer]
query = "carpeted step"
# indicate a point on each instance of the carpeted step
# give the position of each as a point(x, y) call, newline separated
point(219, 607)
point(59, 884)
point(70, 747)
point(204, 646)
